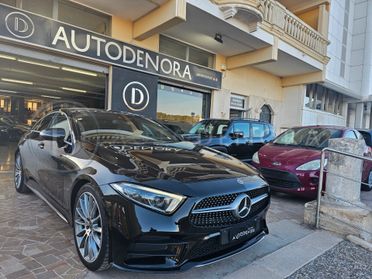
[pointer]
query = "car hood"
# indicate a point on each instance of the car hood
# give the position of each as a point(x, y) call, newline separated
point(286, 157)
point(183, 162)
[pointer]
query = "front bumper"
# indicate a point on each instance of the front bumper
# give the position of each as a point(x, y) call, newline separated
point(299, 183)
point(142, 239)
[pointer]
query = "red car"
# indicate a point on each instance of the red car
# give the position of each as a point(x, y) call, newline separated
point(291, 162)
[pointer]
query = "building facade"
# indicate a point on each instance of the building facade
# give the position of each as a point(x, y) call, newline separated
point(176, 60)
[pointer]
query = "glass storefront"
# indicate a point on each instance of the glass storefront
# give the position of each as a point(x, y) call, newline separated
point(181, 107)
point(66, 11)
point(30, 88)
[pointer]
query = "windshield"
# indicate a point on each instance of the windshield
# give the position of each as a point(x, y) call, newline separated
point(115, 127)
point(214, 128)
point(315, 137)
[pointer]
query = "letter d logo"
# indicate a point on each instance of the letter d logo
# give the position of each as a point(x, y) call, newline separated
point(136, 96)
point(19, 25)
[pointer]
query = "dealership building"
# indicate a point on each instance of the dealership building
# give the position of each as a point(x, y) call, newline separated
point(176, 60)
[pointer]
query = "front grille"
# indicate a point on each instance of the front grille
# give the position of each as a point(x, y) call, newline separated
point(226, 218)
point(216, 201)
point(278, 178)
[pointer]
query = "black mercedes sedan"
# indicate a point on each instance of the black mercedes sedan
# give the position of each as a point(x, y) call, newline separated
point(136, 195)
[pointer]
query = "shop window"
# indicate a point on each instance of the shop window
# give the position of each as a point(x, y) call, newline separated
point(83, 17)
point(237, 106)
point(186, 52)
point(181, 107)
point(309, 98)
point(200, 57)
point(173, 48)
point(321, 98)
point(265, 114)
point(5, 105)
point(41, 7)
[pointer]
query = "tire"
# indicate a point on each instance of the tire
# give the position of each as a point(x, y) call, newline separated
point(19, 181)
point(369, 181)
point(90, 227)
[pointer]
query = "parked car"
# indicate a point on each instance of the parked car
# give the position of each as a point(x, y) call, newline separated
point(137, 195)
point(240, 138)
point(10, 130)
point(291, 162)
point(367, 166)
point(177, 127)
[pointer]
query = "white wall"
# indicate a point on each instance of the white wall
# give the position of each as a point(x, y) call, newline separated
point(366, 9)
point(293, 101)
point(316, 117)
point(359, 47)
point(336, 24)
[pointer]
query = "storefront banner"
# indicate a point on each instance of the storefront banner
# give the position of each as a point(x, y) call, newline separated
point(134, 92)
point(22, 26)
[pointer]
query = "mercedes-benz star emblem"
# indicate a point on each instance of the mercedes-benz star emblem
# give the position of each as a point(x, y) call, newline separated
point(242, 206)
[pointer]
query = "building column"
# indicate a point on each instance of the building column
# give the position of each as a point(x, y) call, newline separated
point(220, 104)
point(359, 111)
point(367, 116)
point(350, 122)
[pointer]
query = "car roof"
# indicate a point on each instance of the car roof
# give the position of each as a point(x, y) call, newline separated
point(237, 119)
point(365, 131)
point(325, 127)
point(73, 111)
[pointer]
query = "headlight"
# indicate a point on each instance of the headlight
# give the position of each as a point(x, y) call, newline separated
point(312, 165)
point(152, 198)
point(255, 158)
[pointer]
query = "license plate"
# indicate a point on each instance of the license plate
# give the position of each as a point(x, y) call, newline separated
point(237, 234)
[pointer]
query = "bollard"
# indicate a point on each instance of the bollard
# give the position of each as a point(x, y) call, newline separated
point(347, 191)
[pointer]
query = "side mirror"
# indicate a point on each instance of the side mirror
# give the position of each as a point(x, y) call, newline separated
point(54, 134)
point(236, 135)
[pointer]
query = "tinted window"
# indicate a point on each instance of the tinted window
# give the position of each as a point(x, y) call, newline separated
point(260, 130)
point(210, 128)
point(60, 121)
point(119, 127)
point(350, 135)
point(242, 127)
point(367, 138)
point(44, 123)
point(308, 137)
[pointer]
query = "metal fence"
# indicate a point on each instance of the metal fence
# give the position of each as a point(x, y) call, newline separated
point(323, 171)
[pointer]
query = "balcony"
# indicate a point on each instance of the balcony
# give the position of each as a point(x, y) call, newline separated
point(273, 17)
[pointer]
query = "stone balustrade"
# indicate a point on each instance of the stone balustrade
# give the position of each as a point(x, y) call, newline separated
point(279, 20)
point(276, 15)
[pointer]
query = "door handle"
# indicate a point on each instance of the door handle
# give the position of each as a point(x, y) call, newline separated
point(41, 145)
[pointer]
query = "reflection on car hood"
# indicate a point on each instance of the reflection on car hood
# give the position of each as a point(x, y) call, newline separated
point(183, 161)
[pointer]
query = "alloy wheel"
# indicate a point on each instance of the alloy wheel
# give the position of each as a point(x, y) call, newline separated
point(88, 227)
point(18, 172)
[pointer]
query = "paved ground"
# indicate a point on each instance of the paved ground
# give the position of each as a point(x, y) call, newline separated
point(36, 243)
point(345, 260)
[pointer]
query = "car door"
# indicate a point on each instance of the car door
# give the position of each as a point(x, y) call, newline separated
point(53, 172)
point(31, 152)
point(240, 146)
